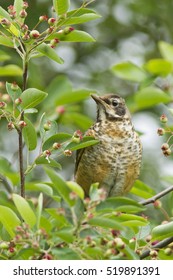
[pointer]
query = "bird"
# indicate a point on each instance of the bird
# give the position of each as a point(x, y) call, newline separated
point(115, 162)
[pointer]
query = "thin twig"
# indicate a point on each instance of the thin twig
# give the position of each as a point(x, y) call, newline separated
point(159, 245)
point(157, 196)
point(6, 184)
point(21, 168)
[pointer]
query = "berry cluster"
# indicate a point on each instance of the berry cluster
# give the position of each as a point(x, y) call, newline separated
point(166, 147)
point(27, 35)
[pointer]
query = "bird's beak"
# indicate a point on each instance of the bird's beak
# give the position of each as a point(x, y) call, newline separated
point(98, 100)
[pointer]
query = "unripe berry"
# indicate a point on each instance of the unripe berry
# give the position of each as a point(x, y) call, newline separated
point(6, 97)
point(110, 252)
point(47, 153)
point(43, 18)
point(165, 146)
point(47, 257)
point(34, 34)
point(25, 5)
point(47, 126)
point(153, 253)
point(56, 146)
point(5, 23)
point(24, 27)
point(26, 37)
point(67, 153)
point(73, 196)
point(23, 14)
point(148, 238)
point(163, 118)
point(22, 124)
point(14, 86)
point(157, 204)
point(168, 251)
point(18, 101)
point(60, 110)
point(167, 152)
point(111, 244)
point(160, 131)
point(3, 105)
point(10, 126)
point(51, 21)
point(4, 245)
point(68, 30)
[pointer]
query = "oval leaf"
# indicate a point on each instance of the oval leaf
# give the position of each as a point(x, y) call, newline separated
point(74, 36)
point(166, 50)
point(10, 70)
point(122, 204)
point(9, 220)
point(76, 188)
point(25, 210)
point(163, 231)
point(61, 186)
point(150, 96)
point(105, 223)
point(160, 67)
point(86, 142)
point(61, 6)
point(59, 138)
point(129, 71)
point(30, 135)
point(51, 162)
point(32, 97)
point(49, 52)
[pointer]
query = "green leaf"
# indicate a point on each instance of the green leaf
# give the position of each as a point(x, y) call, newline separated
point(160, 67)
point(57, 88)
point(81, 18)
point(129, 71)
point(122, 204)
point(4, 14)
point(32, 97)
point(162, 231)
point(61, 6)
point(150, 96)
point(10, 70)
point(66, 234)
point(49, 52)
point(105, 223)
point(13, 94)
point(60, 219)
point(74, 36)
point(76, 188)
point(40, 187)
point(65, 254)
point(12, 29)
point(142, 190)
point(59, 138)
point(166, 50)
point(86, 142)
point(72, 96)
point(4, 56)
point(51, 162)
point(25, 210)
point(18, 5)
point(30, 135)
point(9, 220)
point(61, 186)
point(39, 210)
point(79, 120)
point(5, 41)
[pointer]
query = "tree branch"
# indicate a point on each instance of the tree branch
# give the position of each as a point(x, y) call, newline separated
point(159, 245)
point(157, 196)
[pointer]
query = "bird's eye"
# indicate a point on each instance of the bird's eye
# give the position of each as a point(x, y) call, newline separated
point(115, 103)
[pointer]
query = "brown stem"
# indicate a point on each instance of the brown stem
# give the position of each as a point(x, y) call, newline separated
point(157, 196)
point(159, 245)
point(21, 168)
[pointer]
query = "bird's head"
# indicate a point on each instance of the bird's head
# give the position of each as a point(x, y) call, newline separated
point(110, 107)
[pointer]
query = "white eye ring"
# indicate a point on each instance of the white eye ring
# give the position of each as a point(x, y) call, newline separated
point(115, 102)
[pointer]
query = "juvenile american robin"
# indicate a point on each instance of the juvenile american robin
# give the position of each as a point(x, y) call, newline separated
point(115, 161)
